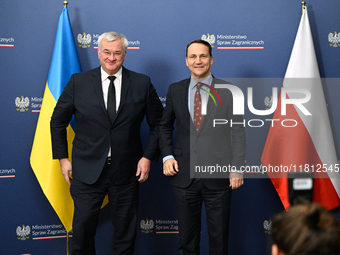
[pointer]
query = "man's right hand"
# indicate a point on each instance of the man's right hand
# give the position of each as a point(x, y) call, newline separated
point(170, 167)
point(66, 169)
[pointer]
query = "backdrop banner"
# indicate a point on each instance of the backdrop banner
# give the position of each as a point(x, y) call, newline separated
point(252, 43)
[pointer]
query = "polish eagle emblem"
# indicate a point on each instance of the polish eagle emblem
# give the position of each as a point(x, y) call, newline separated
point(22, 103)
point(23, 232)
point(267, 225)
point(334, 39)
point(84, 40)
point(268, 101)
point(147, 226)
point(209, 38)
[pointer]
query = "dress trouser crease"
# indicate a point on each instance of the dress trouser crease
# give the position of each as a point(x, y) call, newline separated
point(189, 205)
point(123, 202)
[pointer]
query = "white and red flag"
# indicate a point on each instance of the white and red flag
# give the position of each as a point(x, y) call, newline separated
point(309, 144)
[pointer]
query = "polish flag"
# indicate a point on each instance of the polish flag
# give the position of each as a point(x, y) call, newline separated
point(308, 143)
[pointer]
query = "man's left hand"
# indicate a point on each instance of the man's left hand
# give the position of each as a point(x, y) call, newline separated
point(143, 169)
point(236, 180)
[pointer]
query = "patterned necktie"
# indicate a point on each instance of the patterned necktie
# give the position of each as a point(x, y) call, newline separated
point(198, 116)
point(111, 99)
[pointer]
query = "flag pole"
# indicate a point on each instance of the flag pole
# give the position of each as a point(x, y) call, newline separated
point(67, 235)
point(68, 243)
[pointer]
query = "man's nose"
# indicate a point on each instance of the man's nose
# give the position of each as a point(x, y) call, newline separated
point(199, 60)
point(112, 56)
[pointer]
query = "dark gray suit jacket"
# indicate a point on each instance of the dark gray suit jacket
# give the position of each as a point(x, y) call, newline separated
point(222, 145)
point(83, 99)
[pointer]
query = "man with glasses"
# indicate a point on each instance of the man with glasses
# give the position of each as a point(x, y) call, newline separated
point(109, 104)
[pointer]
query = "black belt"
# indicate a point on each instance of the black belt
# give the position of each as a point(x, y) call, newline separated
point(108, 160)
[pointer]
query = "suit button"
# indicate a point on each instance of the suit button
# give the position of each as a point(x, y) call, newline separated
point(111, 131)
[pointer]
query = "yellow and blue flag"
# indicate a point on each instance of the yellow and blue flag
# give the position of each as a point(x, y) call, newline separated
point(64, 63)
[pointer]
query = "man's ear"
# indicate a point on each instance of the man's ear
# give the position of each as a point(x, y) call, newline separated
point(276, 250)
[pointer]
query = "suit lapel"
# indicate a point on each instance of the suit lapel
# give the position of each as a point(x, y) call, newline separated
point(184, 94)
point(98, 88)
point(184, 97)
point(126, 82)
point(97, 85)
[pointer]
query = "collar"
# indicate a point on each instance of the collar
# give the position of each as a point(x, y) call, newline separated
point(104, 74)
point(208, 80)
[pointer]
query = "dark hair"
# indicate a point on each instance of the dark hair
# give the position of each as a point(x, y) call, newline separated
point(201, 42)
point(306, 229)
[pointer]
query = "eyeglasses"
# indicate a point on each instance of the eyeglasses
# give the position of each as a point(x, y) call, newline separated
point(116, 54)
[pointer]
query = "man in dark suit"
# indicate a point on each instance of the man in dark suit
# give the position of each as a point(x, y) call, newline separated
point(109, 104)
point(201, 145)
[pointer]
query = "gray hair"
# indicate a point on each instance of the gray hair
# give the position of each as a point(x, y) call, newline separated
point(111, 37)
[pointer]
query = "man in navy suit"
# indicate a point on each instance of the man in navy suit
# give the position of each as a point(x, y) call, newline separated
point(201, 145)
point(109, 104)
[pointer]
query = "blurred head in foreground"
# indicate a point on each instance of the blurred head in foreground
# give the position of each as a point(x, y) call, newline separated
point(306, 229)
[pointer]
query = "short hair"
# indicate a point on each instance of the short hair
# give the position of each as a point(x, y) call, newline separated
point(111, 37)
point(306, 229)
point(201, 42)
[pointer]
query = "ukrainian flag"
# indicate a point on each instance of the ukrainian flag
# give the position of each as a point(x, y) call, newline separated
point(64, 63)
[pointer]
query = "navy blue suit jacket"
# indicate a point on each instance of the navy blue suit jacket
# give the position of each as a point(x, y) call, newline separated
point(221, 145)
point(83, 99)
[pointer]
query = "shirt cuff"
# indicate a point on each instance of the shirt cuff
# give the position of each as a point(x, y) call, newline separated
point(167, 157)
point(236, 171)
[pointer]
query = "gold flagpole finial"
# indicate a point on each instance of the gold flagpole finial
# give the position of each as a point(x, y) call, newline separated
point(65, 3)
point(303, 3)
